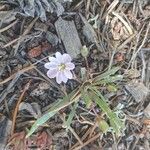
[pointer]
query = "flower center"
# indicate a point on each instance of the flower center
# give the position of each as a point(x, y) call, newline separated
point(62, 66)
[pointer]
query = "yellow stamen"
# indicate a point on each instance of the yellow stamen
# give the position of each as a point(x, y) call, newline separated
point(62, 66)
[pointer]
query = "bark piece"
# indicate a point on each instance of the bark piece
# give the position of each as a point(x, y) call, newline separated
point(67, 32)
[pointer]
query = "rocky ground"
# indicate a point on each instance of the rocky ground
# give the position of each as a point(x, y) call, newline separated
point(99, 35)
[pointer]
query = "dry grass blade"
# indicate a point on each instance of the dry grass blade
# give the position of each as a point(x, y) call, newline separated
point(143, 42)
point(124, 22)
point(9, 88)
point(83, 138)
point(87, 8)
point(23, 35)
point(11, 42)
point(9, 26)
point(17, 106)
point(126, 42)
point(111, 7)
point(76, 136)
point(19, 72)
point(30, 26)
point(88, 141)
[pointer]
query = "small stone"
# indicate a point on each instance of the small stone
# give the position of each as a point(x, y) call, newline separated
point(68, 34)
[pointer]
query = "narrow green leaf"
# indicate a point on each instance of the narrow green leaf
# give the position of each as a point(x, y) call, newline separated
point(106, 74)
point(103, 125)
point(115, 122)
point(109, 79)
point(67, 100)
point(40, 122)
point(86, 98)
point(68, 122)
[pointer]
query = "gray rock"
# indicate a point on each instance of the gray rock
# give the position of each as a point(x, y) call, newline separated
point(67, 32)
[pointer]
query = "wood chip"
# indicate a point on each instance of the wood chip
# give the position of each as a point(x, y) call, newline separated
point(5, 128)
point(138, 90)
point(89, 32)
point(67, 32)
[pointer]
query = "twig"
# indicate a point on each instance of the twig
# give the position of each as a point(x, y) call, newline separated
point(23, 35)
point(114, 146)
point(143, 42)
point(111, 7)
point(93, 128)
point(9, 26)
point(124, 22)
point(19, 72)
point(87, 8)
point(17, 106)
point(111, 59)
point(87, 142)
point(76, 136)
point(83, 138)
point(125, 42)
point(144, 66)
point(11, 42)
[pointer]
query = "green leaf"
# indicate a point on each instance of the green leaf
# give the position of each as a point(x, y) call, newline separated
point(70, 118)
point(86, 98)
point(103, 125)
point(40, 122)
point(67, 100)
point(112, 88)
point(106, 74)
point(109, 79)
point(115, 122)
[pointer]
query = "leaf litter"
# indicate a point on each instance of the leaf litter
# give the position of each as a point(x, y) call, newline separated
point(115, 66)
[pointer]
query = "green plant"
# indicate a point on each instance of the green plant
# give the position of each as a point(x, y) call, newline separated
point(90, 92)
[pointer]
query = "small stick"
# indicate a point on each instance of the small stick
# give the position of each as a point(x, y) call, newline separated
point(143, 42)
point(23, 35)
point(87, 142)
point(144, 66)
point(93, 128)
point(9, 26)
point(76, 136)
point(87, 8)
point(17, 107)
point(11, 42)
point(83, 138)
point(19, 72)
point(124, 22)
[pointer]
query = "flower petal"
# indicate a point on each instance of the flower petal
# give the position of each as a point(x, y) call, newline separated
point(68, 74)
point(52, 59)
point(66, 58)
point(58, 57)
point(70, 66)
point(52, 73)
point(61, 78)
point(50, 65)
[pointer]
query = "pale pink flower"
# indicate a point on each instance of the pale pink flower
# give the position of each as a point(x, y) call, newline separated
point(60, 67)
